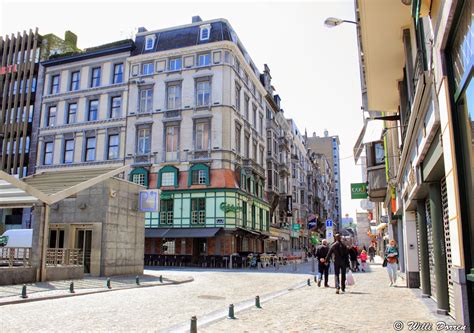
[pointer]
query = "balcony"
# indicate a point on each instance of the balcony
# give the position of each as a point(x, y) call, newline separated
point(202, 155)
point(271, 124)
point(142, 160)
point(377, 187)
point(283, 169)
point(284, 142)
point(251, 165)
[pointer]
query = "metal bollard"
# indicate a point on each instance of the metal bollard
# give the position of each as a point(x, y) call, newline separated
point(137, 280)
point(161, 278)
point(309, 282)
point(23, 292)
point(108, 283)
point(71, 288)
point(231, 312)
point(193, 328)
point(257, 302)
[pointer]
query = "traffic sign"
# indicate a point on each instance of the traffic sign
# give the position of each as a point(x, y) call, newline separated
point(329, 224)
point(329, 234)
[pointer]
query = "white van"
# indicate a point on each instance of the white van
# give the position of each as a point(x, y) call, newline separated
point(17, 238)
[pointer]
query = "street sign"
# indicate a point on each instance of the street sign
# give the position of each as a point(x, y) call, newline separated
point(296, 227)
point(329, 224)
point(329, 234)
point(359, 191)
point(149, 201)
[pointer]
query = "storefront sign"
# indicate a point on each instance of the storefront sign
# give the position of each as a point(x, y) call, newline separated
point(296, 227)
point(219, 221)
point(358, 191)
point(149, 201)
point(229, 208)
point(289, 205)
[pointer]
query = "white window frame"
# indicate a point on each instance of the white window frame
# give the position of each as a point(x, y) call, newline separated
point(145, 104)
point(205, 28)
point(167, 178)
point(143, 141)
point(147, 39)
point(201, 93)
point(148, 65)
point(172, 64)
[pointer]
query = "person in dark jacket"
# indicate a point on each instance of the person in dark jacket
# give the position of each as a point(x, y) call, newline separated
point(323, 267)
point(353, 255)
point(341, 262)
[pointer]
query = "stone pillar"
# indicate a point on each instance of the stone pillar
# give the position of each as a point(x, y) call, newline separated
point(411, 250)
point(37, 242)
point(423, 244)
point(439, 250)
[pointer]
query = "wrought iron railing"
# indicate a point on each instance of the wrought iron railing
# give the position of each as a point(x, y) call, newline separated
point(15, 256)
point(64, 257)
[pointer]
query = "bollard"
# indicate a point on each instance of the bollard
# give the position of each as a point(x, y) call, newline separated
point(161, 278)
point(23, 292)
point(309, 282)
point(231, 312)
point(137, 280)
point(71, 287)
point(315, 279)
point(193, 325)
point(257, 302)
point(108, 283)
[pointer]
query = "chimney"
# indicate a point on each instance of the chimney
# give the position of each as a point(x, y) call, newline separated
point(326, 133)
point(70, 38)
point(141, 29)
point(196, 19)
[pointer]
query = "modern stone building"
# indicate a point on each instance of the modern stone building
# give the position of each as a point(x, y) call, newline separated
point(417, 67)
point(20, 93)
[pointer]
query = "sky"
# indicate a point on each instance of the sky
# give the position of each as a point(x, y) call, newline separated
point(314, 69)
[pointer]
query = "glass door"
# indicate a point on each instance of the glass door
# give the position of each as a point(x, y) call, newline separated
point(84, 242)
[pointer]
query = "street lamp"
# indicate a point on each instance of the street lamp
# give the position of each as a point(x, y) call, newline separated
point(332, 22)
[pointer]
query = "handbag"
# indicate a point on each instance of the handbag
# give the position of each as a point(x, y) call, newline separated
point(384, 264)
point(350, 279)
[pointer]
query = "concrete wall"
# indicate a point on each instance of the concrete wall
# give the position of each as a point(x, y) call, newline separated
point(17, 275)
point(55, 273)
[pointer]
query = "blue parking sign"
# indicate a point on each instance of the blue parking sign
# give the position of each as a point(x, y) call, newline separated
point(328, 223)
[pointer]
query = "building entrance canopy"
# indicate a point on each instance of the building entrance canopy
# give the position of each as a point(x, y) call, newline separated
point(181, 232)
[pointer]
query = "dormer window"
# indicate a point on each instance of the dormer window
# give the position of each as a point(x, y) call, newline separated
point(149, 42)
point(205, 32)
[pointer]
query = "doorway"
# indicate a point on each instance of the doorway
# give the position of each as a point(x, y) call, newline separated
point(84, 242)
point(199, 248)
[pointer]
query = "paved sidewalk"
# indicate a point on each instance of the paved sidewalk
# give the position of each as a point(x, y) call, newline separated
point(55, 289)
point(368, 306)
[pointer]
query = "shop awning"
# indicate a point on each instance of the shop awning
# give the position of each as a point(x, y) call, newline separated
point(371, 131)
point(155, 232)
point(381, 226)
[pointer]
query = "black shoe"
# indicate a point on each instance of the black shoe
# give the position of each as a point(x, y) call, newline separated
point(327, 286)
point(337, 291)
point(319, 283)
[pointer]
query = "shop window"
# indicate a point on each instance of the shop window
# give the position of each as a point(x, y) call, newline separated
point(244, 214)
point(169, 247)
point(198, 211)
point(168, 176)
point(166, 211)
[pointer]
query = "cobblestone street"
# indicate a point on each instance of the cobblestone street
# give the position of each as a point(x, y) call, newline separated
point(287, 305)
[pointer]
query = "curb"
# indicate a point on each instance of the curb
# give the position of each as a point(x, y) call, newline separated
point(47, 298)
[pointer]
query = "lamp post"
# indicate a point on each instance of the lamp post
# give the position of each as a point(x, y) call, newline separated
point(332, 22)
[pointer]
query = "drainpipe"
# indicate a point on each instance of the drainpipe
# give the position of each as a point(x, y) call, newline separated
point(439, 250)
point(423, 245)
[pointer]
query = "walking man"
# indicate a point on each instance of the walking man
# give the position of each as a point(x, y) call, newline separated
point(323, 267)
point(341, 262)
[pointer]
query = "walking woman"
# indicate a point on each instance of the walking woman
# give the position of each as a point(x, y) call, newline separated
point(391, 256)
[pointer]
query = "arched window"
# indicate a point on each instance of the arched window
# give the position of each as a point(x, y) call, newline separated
point(168, 176)
point(199, 175)
point(139, 176)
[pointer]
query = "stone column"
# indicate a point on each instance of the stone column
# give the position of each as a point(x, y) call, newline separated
point(423, 244)
point(410, 250)
point(439, 249)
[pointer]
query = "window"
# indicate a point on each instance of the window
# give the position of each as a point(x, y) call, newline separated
point(261, 124)
point(166, 211)
point(54, 84)
point(237, 96)
point(254, 152)
point(237, 67)
point(138, 179)
point(204, 59)
point(237, 138)
point(115, 106)
point(71, 113)
point(174, 96)
point(202, 136)
point(199, 177)
point(175, 64)
point(48, 153)
point(68, 155)
point(118, 73)
point(146, 100)
point(90, 149)
point(205, 32)
point(262, 160)
point(144, 141)
point(202, 93)
point(167, 179)
point(139, 176)
point(172, 139)
point(147, 68)
point(93, 110)
point(51, 119)
point(149, 42)
point(247, 107)
point(169, 247)
point(95, 78)
point(75, 80)
point(198, 211)
point(254, 116)
point(113, 147)
point(247, 146)
point(379, 153)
